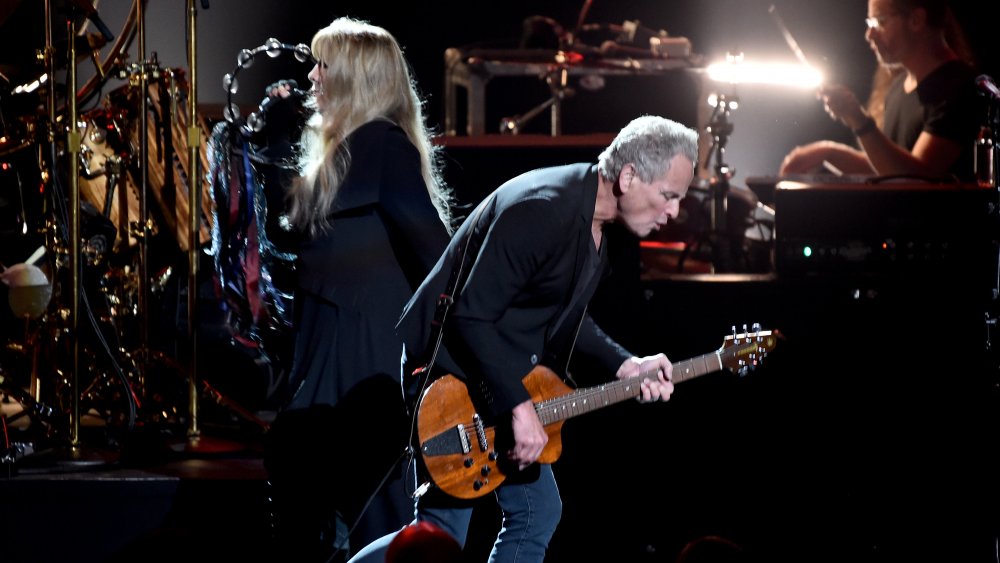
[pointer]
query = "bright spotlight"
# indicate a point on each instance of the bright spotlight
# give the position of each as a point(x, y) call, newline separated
point(741, 71)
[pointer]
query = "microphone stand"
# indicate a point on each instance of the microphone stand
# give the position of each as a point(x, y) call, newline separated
point(720, 127)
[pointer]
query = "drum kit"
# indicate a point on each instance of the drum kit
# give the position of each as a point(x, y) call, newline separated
point(79, 275)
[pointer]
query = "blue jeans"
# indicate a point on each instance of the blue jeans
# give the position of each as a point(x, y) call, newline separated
point(531, 509)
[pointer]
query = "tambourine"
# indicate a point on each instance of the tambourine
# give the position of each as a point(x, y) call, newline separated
point(244, 60)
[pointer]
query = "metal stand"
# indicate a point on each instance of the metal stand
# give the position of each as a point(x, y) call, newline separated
point(144, 229)
point(194, 162)
point(74, 454)
point(195, 443)
point(987, 172)
point(557, 78)
point(720, 127)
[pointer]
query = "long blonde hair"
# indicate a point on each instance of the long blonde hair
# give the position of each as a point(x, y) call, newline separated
point(365, 78)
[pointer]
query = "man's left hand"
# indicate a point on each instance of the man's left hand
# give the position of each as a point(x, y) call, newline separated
point(656, 388)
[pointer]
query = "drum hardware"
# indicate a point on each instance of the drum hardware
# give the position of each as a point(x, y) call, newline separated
point(720, 128)
point(73, 143)
point(194, 165)
point(30, 292)
point(118, 50)
point(36, 411)
point(65, 324)
point(99, 147)
point(557, 78)
point(140, 230)
point(83, 253)
point(39, 418)
point(114, 168)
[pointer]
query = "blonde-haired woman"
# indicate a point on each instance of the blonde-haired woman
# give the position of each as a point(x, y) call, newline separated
point(373, 213)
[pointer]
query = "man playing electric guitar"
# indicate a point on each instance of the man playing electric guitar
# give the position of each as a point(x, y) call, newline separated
point(510, 294)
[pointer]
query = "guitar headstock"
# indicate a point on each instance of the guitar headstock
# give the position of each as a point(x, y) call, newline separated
point(744, 351)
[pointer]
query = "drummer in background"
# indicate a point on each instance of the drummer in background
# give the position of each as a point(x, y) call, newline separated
point(924, 112)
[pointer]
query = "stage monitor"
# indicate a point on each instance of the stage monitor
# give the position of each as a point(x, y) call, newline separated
point(885, 229)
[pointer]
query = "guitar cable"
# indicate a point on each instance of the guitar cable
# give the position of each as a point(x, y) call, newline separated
point(407, 452)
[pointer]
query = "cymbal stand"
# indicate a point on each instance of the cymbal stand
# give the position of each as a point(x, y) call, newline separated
point(195, 442)
point(74, 454)
point(144, 229)
point(194, 228)
point(720, 128)
point(73, 142)
point(557, 77)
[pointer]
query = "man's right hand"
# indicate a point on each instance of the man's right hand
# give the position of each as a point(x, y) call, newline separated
point(842, 105)
point(529, 435)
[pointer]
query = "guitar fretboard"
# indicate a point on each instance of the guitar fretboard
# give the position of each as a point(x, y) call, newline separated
point(593, 398)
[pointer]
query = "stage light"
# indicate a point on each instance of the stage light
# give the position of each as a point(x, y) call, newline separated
point(737, 70)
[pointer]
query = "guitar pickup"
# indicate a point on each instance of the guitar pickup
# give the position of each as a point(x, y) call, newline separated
point(454, 441)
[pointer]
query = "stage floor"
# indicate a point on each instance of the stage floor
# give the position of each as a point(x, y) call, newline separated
point(87, 506)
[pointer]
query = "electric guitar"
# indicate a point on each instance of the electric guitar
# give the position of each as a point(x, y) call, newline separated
point(458, 448)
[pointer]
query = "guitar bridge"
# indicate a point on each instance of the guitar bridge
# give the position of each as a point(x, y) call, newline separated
point(480, 432)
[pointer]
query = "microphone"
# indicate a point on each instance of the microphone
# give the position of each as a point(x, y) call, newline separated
point(88, 10)
point(987, 87)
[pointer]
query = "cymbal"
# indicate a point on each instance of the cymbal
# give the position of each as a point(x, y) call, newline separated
point(84, 45)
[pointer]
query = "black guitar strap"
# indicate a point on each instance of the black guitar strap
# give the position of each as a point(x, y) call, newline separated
point(445, 301)
point(447, 298)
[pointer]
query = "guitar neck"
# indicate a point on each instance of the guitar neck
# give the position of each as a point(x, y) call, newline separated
point(592, 398)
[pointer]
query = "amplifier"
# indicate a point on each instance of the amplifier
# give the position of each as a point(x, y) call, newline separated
point(884, 228)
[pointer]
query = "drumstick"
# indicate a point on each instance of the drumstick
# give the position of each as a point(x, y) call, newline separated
point(35, 255)
point(773, 10)
point(832, 168)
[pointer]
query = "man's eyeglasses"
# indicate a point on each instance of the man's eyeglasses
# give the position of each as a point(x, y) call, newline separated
point(878, 22)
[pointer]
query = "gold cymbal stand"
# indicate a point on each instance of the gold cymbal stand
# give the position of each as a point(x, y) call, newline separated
point(146, 227)
point(196, 443)
point(74, 454)
point(194, 231)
